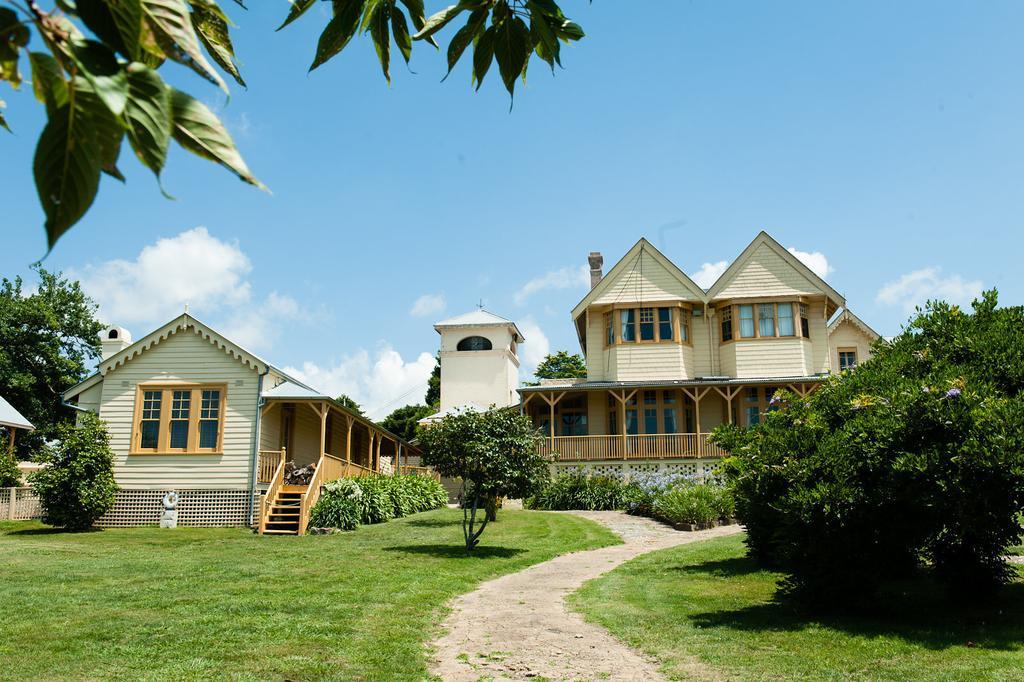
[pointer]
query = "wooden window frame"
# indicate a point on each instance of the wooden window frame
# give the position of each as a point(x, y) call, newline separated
point(195, 411)
point(733, 310)
point(678, 313)
point(847, 349)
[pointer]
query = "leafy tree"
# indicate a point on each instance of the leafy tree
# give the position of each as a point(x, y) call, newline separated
point(77, 487)
point(914, 460)
point(561, 365)
point(404, 421)
point(350, 404)
point(47, 340)
point(96, 68)
point(495, 455)
point(433, 397)
point(9, 474)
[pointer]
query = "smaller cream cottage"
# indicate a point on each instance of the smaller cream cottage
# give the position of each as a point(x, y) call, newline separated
point(190, 411)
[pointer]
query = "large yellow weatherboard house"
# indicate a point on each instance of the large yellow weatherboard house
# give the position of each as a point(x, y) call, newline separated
point(668, 361)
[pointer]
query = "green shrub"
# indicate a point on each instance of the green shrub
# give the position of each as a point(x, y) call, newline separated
point(376, 504)
point(10, 476)
point(339, 506)
point(426, 492)
point(693, 503)
point(77, 487)
point(577, 489)
point(913, 460)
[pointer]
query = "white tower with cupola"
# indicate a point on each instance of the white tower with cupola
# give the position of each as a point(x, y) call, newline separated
point(479, 361)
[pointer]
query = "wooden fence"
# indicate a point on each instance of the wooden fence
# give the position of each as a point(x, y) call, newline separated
point(19, 504)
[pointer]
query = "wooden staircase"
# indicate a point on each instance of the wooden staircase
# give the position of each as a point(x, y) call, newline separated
point(284, 511)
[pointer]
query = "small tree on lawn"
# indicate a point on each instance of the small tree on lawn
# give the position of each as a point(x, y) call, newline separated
point(78, 486)
point(495, 455)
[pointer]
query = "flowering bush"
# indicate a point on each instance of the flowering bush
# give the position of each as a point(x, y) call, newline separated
point(645, 488)
point(913, 460)
point(697, 503)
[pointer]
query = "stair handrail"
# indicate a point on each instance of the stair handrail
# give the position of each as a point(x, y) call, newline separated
point(310, 497)
point(268, 499)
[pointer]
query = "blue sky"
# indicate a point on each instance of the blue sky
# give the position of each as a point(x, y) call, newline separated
point(886, 137)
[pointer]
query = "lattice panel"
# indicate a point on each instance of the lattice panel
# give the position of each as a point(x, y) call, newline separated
point(26, 504)
point(196, 508)
point(685, 468)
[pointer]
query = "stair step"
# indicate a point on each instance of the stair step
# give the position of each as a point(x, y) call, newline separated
point(272, 531)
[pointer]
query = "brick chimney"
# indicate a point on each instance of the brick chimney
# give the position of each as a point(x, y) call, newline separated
point(113, 340)
point(596, 263)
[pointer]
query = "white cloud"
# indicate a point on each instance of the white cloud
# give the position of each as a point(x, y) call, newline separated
point(535, 349)
point(565, 278)
point(380, 383)
point(815, 260)
point(428, 304)
point(193, 267)
point(259, 328)
point(709, 273)
point(917, 287)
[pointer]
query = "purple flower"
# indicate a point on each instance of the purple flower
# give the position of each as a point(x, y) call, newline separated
point(953, 393)
point(776, 399)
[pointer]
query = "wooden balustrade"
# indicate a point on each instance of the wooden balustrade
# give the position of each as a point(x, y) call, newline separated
point(649, 446)
point(421, 471)
point(268, 463)
point(276, 481)
point(312, 494)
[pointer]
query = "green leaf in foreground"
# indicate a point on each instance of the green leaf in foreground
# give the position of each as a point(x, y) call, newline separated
point(213, 33)
point(339, 30)
point(98, 65)
point(171, 25)
point(149, 116)
point(512, 51)
point(198, 130)
point(298, 8)
point(67, 171)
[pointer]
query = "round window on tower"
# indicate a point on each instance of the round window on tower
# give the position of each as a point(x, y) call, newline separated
point(475, 343)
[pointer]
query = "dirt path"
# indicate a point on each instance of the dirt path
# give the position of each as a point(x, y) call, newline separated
point(518, 628)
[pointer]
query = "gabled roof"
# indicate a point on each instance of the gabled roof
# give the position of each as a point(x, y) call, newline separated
point(183, 322)
point(480, 318)
point(765, 239)
point(846, 316)
point(626, 264)
point(12, 418)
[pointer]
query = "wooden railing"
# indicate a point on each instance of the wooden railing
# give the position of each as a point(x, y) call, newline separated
point(335, 468)
point(421, 471)
point(268, 463)
point(653, 446)
point(312, 494)
point(276, 481)
point(583, 448)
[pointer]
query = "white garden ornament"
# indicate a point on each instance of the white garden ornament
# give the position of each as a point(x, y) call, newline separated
point(170, 515)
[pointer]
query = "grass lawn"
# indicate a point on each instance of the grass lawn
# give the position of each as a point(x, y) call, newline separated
point(147, 603)
point(705, 608)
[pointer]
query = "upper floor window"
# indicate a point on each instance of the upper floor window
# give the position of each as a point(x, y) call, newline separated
point(181, 419)
point(474, 343)
point(628, 320)
point(763, 320)
point(646, 325)
point(747, 321)
point(847, 358)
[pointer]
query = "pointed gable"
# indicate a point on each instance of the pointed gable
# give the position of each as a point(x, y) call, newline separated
point(766, 269)
point(644, 274)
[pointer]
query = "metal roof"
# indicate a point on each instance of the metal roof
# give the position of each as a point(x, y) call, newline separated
point(705, 381)
point(480, 318)
point(12, 418)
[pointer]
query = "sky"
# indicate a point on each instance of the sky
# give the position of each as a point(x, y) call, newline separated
point(882, 141)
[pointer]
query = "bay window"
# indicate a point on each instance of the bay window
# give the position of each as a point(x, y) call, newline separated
point(764, 321)
point(646, 325)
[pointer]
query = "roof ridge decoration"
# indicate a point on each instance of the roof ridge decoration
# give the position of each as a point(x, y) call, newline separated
point(638, 249)
point(180, 323)
point(847, 315)
point(765, 239)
